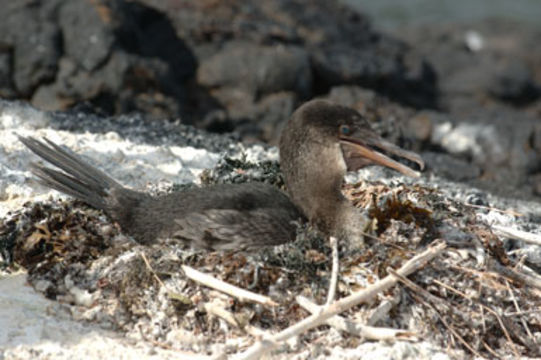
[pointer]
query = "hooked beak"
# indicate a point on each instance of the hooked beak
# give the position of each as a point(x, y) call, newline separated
point(360, 153)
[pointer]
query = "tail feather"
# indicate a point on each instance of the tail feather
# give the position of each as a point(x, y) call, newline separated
point(77, 179)
point(68, 185)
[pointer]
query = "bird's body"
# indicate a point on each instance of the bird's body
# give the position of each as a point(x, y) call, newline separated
point(217, 217)
point(315, 150)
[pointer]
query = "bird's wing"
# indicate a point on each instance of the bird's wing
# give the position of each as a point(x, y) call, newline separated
point(227, 229)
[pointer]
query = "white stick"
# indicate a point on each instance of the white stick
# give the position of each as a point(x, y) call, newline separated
point(355, 328)
point(235, 291)
point(331, 295)
point(259, 348)
point(518, 234)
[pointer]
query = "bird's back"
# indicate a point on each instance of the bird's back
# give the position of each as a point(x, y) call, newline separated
point(220, 217)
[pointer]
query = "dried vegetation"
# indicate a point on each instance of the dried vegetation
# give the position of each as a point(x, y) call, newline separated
point(472, 299)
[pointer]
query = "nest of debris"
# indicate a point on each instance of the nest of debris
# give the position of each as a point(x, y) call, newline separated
point(470, 298)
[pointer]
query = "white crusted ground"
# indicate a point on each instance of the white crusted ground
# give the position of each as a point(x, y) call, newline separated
point(132, 164)
point(32, 327)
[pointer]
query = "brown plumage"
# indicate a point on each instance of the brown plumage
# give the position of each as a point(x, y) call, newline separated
point(320, 142)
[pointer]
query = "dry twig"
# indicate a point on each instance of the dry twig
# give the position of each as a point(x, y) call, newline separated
point(239, 293)
point(171, 294)
point(216, 309)
point(490, 350)
point(219, 311)
point(518, 234)
point(489, 309)
point(510, 212)
point(382, 310)
point(422, 293)
point(261, 347)
point(355, 328)
point(517, 307)
point(331, 295)
point(515, 275)
point(147, 263)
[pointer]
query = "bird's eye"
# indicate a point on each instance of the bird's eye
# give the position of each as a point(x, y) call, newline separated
point(345, 130)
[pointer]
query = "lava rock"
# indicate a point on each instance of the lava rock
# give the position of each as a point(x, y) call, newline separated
point(450, 167)
point(35, 48)
point(490, 139)
point(258, 69)
point(515, 84)
point(121, 56)
point(503, 66)
point(6, 86)
point(87, 31)
point(210, 63)
point(480, 146)
point(341, 45)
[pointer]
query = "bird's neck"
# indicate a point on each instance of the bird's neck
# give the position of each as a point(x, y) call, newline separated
point(314, 174)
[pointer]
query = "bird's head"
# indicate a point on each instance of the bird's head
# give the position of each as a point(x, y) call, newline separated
point(328, 125)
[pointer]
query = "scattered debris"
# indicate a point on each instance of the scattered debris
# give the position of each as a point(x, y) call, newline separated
point(472, 298)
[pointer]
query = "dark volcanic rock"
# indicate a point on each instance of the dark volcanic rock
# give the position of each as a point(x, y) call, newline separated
point(244, 66)
point(6, 86)
point(34, 42)
point(343, 47)
point(271, 112)
point(87, 32)
point(496, 147)
point(380, 66)
point(489, 139)
point(515, 84)
point(450, 167)
point(491, 60)
point(148, 33)
point(125, 83)
point(143, 55)
point(489, 75)
point(121, 56)
point(258, 69)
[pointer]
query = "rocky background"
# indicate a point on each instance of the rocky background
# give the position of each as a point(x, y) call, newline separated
point(467, 95)
point(170, 86)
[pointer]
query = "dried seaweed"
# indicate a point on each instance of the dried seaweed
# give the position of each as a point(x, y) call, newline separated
point(235, 171)
point(462, 301)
